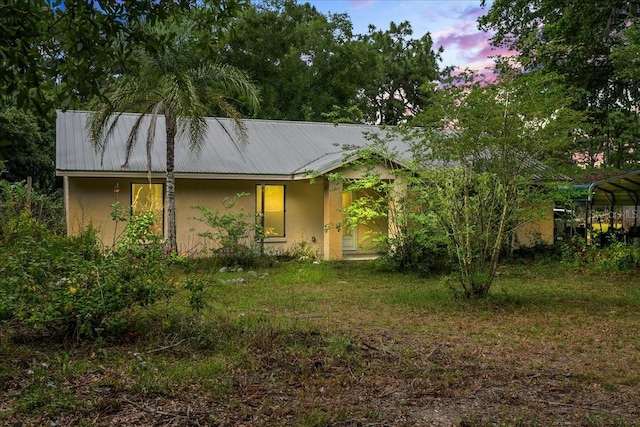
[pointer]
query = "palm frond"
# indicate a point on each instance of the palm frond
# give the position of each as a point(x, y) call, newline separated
point(151, 136)
point(132, 139)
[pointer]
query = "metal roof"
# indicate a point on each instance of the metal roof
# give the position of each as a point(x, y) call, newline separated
point(273, 148)
point(621, 190)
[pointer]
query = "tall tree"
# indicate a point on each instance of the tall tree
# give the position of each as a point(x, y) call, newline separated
point(489, 142)
point(185, 87)
point(402, 66)
point(27, 148)
point(303, 60)
point(574, 39)
point(312, 67)
point(76, 43)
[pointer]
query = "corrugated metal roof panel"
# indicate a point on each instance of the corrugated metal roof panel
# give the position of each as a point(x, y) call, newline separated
point(272, 147)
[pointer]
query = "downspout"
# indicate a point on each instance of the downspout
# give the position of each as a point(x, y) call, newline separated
point(65, 192)
point(262, 217)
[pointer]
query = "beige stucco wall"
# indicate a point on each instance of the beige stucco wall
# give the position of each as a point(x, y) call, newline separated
point(303, 210)
point(312, 209)
point(89, 202)
point(539, 229)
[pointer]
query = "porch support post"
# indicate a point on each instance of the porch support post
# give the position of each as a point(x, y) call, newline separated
point(65, 196)
point(394, 214)
point(332, 216)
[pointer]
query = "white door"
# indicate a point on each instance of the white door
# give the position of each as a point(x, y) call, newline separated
point(349, 237)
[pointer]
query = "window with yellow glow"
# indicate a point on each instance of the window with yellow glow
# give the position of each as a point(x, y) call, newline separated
point(270, 206)
point(148, 198)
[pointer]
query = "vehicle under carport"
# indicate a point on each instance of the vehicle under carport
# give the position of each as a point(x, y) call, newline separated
point(617, 198)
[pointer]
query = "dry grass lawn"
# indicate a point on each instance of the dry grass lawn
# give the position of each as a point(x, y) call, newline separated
point(344, 344)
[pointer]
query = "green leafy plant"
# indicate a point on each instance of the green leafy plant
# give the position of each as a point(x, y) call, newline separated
point(303, 251)
point(617, 257)
point(65, 286)
point(15, 198)
point(196, 285)
point(236, 236)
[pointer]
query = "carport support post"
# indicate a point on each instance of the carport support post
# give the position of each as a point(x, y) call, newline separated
point(611, 217)
point(332, 248)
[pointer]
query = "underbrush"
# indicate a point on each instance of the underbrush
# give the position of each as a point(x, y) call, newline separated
point(66, 287)
point(614, 257)
point(209, 357)
point(311, 342)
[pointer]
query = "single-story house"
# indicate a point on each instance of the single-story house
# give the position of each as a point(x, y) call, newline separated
point(283, 167)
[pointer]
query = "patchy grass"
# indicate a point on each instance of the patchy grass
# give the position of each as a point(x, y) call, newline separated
point(342, 344)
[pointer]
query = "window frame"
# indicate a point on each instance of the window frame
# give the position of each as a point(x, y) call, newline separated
point(260, 214)
point(131, 195)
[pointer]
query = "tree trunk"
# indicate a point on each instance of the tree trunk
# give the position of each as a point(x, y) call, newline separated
point(172, 242)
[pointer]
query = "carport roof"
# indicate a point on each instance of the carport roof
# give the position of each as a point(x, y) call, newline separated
point(620, 190)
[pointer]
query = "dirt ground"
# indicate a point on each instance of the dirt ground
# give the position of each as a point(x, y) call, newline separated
point(384, 378)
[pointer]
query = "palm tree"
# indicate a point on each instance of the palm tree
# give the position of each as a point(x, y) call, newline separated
point(184, 87)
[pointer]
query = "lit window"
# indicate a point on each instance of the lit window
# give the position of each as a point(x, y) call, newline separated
point(148, 198)
point(270, 206)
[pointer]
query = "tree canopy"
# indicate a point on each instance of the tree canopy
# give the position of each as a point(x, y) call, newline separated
point(311, 66)
point(27, 148)
point(76, 44)
point(588, 43)
point(402, 66)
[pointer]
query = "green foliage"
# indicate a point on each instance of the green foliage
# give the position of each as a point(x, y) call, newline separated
point(489, 142)
point(419, 244)
point(616, 257)
point(66, 287)
point(28, 148)
point(70, 51)
point(593, 45)
point(236, 236)
point(303, 251)
point(47, 210)
point(395, 212)
point(402, 67)
point(474, 210)
point(312, 67)
point(183, 86)
point(141, 230)
point(196, 285)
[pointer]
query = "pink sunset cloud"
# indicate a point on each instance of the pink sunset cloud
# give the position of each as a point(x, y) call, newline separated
point(472, 45)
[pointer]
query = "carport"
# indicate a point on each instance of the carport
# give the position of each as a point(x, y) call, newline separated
point(613, 192)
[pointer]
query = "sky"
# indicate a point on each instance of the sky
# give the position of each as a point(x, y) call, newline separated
point(451, 23)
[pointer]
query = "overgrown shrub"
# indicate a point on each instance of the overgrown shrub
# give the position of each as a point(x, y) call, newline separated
point(46, 209)
point(418, 247)
point(235, 236)
point(617, 257)
point(65, 286)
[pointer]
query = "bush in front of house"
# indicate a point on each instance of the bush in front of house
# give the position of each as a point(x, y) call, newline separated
point(419, 246)
point(235, 236)
point(66, 287)
point(15, 198)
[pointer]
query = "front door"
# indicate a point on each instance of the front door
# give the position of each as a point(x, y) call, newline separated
point(349, 237)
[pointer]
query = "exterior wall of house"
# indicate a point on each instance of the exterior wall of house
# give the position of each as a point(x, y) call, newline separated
point(539, 229)
point(309, 205)
point(89, 202)
point(303, 211)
